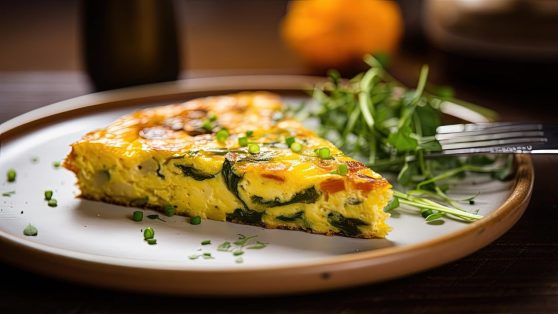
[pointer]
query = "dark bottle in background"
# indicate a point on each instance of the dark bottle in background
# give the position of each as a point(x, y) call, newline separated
point(128, 43)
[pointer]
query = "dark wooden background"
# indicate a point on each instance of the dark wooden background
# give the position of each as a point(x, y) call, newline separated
point(40, 64)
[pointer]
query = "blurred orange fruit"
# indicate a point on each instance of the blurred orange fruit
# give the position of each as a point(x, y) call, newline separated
point(336, 33)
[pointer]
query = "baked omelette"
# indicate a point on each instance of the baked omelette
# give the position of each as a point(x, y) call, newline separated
point(234, 158)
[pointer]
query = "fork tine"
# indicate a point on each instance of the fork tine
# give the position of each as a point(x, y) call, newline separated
point(488, 127)
point(482, 136)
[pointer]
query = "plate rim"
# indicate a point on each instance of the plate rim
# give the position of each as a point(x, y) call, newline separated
point(346, 270)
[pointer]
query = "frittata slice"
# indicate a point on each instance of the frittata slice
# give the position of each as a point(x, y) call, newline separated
point(231, 158)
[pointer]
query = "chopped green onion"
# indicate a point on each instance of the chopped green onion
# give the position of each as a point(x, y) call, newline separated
point(193, 257)
point(249, 133)
point(296, 147)
point(253, 148)
point(239, 260)
point(207, 125)
point(151, 241)
point(222, 135)
point(148, 233)
point(30, 231)
point(224, 247)
point(243, 141)
point(48, 195)
point(56, 164)
point(290, 140)
point(212, 117)
point(242, 239)
point(52, 202)
point(11, 175)
point(238, 252)
point(170, 210)
point(196, 220)
point(342, 169)
point(324, 153)
point(205, 242)
point(137, 215)
point(258, 245)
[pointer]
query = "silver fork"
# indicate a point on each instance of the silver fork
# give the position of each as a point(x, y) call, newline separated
point(498, 138)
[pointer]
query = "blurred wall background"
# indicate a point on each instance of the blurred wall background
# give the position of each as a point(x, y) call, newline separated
point(244, 35)
point(215, 34)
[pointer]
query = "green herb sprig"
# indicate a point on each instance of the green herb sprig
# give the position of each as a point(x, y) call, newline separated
point(376, 119)
point(237, 248)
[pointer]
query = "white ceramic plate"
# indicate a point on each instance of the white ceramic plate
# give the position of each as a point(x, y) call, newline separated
point(99, 244)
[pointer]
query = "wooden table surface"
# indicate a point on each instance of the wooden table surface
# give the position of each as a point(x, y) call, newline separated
point(516, 273)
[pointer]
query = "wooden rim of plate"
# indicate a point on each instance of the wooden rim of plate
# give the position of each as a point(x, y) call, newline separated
point(328, 273)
